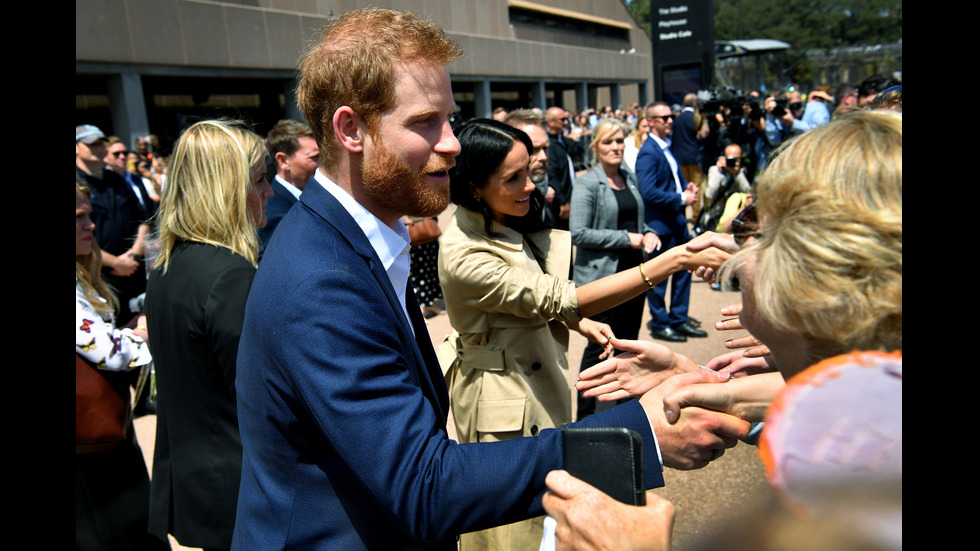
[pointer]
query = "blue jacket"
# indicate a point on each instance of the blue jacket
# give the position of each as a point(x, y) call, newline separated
point(342, 409)
point(664, 206)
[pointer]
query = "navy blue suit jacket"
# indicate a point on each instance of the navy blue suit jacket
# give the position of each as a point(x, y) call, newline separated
point(664, 206)
point(278, 205)
point(684, 140)
point(342, 409)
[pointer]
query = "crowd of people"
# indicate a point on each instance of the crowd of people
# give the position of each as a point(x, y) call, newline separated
point(278, 286)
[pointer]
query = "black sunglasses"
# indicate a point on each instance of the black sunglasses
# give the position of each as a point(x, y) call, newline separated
point(665, 118)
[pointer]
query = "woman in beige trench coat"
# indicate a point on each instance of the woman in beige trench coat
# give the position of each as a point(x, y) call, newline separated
point(505, 281)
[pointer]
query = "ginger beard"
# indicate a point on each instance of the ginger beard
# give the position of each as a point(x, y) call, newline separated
point(392, 183)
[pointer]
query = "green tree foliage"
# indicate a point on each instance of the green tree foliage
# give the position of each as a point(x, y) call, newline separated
point(641, 13)
point(807, 24)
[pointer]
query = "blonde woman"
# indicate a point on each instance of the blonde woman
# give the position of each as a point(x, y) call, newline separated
point(822, 289)
point(213, 202)
point(635, 141)
point(609, 234)
point(112, 488)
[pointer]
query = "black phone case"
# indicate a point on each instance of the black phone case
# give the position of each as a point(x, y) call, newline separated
point(609, 458)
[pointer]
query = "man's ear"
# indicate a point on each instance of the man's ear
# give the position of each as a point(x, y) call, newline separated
point(347, 128)
point(281, 161)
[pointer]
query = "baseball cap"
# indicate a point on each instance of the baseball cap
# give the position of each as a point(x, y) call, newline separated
point(88, 134)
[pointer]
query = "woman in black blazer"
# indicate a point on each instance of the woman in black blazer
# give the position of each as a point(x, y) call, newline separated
point(195, 302)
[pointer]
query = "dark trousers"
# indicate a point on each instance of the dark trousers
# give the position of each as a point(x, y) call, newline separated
point(680, 291)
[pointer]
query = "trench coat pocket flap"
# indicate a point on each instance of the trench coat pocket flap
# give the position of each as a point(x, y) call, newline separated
point(487, 359)
point(500, 415)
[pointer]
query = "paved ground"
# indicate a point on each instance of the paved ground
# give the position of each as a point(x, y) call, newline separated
point(705, 499)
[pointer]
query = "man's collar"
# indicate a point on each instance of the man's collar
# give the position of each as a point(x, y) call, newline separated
point(664, 144)
point(289, 187)
point(387, 242)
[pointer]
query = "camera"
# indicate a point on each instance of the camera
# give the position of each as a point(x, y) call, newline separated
point(781, 104)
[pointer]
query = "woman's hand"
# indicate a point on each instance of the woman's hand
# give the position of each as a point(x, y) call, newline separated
point(644, 365)
point(648, 241)
point(636, 240)
point(651, 242)
point(123, 265)
point(138, 325)
point(596, 332)
point(709, 251)
point(723, 241)
point(747, 398)
point(710, 257)
point(756, 349)
point(737, 364)
point(588, 519)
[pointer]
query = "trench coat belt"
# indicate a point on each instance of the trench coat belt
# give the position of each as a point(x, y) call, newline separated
point(475, 356)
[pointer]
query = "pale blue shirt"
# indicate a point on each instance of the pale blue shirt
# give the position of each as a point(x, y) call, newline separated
point(289, 187)
point(391, 245)
point(665, 146)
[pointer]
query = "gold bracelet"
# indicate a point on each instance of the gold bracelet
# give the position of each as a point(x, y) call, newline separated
point(642, 273)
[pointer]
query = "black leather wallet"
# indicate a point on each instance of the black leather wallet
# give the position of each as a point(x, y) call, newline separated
point(609, 458)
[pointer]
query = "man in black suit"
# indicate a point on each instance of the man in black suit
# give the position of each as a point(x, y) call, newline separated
point(561, 171)
point(115, 160)
point(120, 224)
point(689, 129)
point(295, 155)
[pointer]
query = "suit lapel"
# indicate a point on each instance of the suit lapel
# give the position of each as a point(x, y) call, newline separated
point(281, 190)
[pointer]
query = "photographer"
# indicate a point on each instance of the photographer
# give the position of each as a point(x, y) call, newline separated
point(726, 173)
point(817, 113)
point(784, 113)
point(725, 179)
point(778, 122)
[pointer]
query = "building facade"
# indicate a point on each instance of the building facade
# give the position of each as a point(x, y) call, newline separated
point(146, 66)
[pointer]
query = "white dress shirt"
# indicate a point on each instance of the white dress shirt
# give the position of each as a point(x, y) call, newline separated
point(391, 245)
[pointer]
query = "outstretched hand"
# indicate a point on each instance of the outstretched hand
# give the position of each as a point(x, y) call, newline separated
point(723, 241)
point(747, 398)
point(706, 242)
point(710, 258)
point(588, 519)
point(756, 348)
point(641, 367)
point(737, 364)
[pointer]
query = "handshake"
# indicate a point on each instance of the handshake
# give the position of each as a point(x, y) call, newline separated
point(696, 412)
